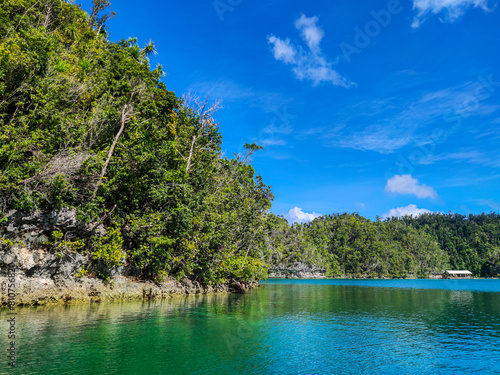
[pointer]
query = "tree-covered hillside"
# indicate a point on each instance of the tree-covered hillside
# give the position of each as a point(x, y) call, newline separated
point(362, 248)
point(88, 124)
point(400, 247)
point(472, 242)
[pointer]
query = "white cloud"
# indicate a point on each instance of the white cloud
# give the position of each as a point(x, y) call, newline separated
point(296, 215)
point(317, 70)
point(447, 10)
point(406, 184)
point(308, 64)
point(282, 49)
point(410, 210)
point(310, 32)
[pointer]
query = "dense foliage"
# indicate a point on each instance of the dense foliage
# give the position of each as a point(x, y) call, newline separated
point(351, 246)
point(86, 123)
point(472, 242)
point(357, 247)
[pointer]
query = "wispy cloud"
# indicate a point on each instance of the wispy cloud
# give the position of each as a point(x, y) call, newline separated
point(410, 210)
point(470, 156)
point(296, 215)
point(279, 127)
point(406, 184)
point(307, 63)
point(360, 205)
point(470, 179)
point(223, 89)
point(446, 10)
point(231, 92)
point(395, 122)
point(490, 203)
point(377, 138)
point(492, 132)
point(272, 142)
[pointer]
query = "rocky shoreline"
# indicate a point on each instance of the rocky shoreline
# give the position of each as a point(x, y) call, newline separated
point(36, 291)
point(43, 276)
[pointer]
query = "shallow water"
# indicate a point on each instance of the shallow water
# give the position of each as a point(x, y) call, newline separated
point(284, 327)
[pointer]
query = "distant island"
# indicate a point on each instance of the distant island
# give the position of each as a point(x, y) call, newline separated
point(106, 174)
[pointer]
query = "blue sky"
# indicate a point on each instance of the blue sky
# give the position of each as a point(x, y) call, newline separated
point(377, 107)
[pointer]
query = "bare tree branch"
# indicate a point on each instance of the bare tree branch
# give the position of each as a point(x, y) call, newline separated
point(205, 114)
point(188, 165)
point(126, 113)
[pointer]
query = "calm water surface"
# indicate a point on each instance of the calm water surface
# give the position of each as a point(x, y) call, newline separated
point(285, 327)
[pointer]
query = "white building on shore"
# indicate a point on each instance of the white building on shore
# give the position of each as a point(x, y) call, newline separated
point(457, 274)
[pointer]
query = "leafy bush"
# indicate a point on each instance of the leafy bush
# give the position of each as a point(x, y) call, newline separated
point(109, 248)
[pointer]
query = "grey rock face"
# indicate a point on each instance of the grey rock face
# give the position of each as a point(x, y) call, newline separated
point(41, 263)
point(297, 271)
point(34, 229)
point(7, 257)
point(30, 232)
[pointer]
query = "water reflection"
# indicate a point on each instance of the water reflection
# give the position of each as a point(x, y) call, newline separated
point(282, 328)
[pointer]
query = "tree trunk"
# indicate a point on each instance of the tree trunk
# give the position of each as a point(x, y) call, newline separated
point(188, 166)
point(125, 112)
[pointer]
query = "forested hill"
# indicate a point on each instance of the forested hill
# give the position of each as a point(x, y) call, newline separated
point(400, 247)
point(472, 242)
point(87, 124)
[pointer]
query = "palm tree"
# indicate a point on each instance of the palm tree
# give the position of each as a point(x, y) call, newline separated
point(149, 49)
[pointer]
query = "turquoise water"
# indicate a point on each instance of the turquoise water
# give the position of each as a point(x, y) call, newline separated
point(284, 327)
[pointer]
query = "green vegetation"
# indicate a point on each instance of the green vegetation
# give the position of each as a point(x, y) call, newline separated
point(86, 123)
point(351, 246)
point(358, 247)
point(472, 242)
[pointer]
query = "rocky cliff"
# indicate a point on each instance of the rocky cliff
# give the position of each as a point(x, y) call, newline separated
point(297, 271)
